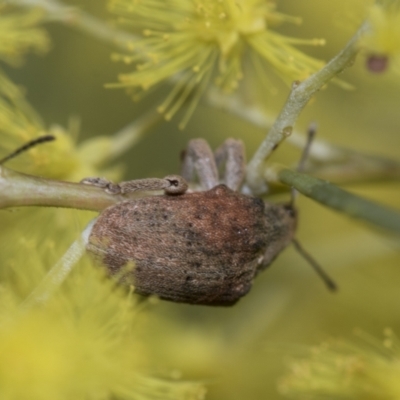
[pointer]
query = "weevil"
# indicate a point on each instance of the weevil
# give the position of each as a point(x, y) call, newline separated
point(204, 245)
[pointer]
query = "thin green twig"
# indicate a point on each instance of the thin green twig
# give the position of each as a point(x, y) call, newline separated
point(341, 200)
point(325, 160)
point(58, 273)
point(17, 189)
point(299, 96)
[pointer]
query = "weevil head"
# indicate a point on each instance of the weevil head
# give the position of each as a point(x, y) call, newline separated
point(280, 223)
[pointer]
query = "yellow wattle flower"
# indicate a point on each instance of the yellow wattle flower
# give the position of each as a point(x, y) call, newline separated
point(194, 41)
point(366, 368)
point(63, 158)
point(20, 32)
point(79, 345)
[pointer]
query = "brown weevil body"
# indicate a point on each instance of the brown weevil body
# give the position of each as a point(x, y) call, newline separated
point(199, 247)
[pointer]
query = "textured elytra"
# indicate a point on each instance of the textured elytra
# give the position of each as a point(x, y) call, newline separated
point(199, 248)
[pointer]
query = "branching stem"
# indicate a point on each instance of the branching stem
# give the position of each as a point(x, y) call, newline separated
point(341, 200)
point(299, 96)
point(326, 160)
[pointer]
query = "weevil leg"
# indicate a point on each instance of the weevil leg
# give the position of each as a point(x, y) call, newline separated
point(171, 184)
point(103, 183)
point(231, 154)
point(199, 158)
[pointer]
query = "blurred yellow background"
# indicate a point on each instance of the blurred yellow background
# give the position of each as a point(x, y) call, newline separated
point(241, 352)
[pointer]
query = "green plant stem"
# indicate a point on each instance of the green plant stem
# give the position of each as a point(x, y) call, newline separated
point(17, 189)
point(325, 160)
point(341, 200)
point(299, 96)
point(59, 272)
point(357, 167)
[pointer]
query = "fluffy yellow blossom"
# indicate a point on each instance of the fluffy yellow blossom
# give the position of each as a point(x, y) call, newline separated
point(364, 369)
point(80, 345)
point(61, 159)
point(19, 32)
point(197, 41)
point(382, 42)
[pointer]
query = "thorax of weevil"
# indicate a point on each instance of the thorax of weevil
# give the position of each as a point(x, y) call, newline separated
point(199, 248)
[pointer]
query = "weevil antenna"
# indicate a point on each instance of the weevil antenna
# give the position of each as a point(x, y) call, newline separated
point(312, 130)
point(27, 146)
point(329, 282)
